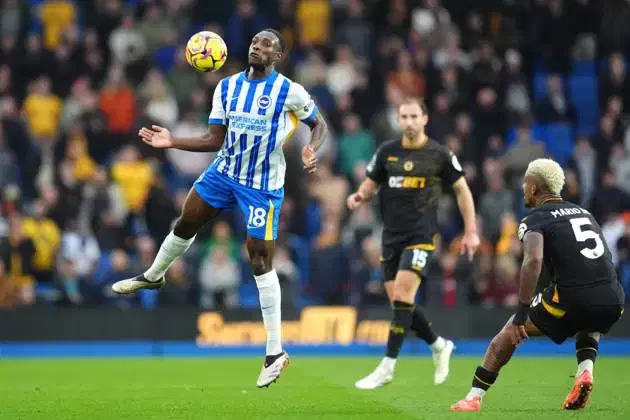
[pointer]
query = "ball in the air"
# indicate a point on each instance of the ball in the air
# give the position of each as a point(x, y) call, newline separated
point(206, 51)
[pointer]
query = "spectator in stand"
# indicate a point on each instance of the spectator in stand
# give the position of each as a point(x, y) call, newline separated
point(134, 176)
point(79, 254)
point(219, 278)
point(43, 111)
point(56, 17)
point(313, 20)
point(118, 103)
point(555, 107)
point(614, 81)
point(356, 145)
point(16, 271)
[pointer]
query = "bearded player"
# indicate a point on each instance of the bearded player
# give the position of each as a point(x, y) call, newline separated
point(253, 114)
point(409, 175)
point(584, 298)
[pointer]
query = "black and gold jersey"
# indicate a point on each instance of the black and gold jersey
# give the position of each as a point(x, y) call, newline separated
point(411, 181)
point(576, 256)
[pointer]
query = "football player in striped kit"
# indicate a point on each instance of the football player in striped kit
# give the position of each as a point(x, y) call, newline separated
point(253, 113)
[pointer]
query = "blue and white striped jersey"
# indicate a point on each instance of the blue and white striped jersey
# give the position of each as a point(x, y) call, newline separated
point(260, 116)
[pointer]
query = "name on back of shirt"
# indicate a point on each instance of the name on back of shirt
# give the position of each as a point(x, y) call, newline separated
point(570, 211)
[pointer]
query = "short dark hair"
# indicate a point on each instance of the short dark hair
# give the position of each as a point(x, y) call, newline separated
point(281, 42)
point(414, 100)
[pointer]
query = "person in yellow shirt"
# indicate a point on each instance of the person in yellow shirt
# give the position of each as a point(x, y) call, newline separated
point(46, 236)
point(313, 21)
point(42, 110)
point(56, 16)
point(134, 176)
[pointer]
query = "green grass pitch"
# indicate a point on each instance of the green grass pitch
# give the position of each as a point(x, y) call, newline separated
point(311, 388)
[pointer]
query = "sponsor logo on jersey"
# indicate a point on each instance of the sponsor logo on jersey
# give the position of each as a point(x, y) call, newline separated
point(406, 181)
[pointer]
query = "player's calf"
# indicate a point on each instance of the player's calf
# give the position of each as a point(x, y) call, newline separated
point(497, 355)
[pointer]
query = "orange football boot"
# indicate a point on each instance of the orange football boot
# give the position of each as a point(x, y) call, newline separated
point(578, 397)
point(473, 404)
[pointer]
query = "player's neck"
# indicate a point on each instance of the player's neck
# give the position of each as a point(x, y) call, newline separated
point(255, 74)
point(547, 198)
point(415, 143)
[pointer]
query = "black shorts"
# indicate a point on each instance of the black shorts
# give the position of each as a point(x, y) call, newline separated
point(560, 323)
point(416, 258)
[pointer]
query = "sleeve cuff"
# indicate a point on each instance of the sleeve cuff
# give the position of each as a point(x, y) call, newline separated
point(312, 115)
point(216, 121)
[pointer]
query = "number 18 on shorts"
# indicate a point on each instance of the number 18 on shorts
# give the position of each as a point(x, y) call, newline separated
point(260, 209)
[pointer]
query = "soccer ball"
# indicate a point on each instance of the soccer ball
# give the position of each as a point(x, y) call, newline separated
point(206, 51)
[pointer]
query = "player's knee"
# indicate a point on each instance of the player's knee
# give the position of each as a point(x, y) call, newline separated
point(259, 259)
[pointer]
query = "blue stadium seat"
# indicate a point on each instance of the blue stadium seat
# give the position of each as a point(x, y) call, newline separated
point(583, 92)
point(559, 142)
point(540, 85)
point(583, 68)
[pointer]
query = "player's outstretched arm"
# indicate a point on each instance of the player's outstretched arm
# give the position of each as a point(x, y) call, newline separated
point(366, 191)
point(470, 241)
point(161, 138)
point(319, 131)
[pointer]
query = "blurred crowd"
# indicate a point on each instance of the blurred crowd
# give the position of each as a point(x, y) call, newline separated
point(84, 203)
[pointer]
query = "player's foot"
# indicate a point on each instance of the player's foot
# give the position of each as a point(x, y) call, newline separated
point(271, 371)
point(131, 286)
point(442, 360)
point(578, 397)
point(473, 404)
point(381, 376)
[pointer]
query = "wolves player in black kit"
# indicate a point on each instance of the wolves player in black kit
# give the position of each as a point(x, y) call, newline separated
point(584, 298)
point(408, 175)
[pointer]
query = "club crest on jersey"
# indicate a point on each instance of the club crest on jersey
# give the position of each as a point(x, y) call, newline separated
point(264, 102)
point(521, 231)
point(408, 166)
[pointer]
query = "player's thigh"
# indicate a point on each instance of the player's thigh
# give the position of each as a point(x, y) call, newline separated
point(599, 318)
point(195, 213)
point(261, 210)
point(215, 190)
point(412, 267)
point(552, 321)
point(390, 259)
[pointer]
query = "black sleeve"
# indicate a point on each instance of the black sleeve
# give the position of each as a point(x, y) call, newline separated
point(533, 222)
point(451, 168)
point(376, 167)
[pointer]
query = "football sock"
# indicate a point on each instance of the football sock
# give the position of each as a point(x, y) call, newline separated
point(586, 349)
point(403, 314)
point(481, 382)
point(270, 300)
point(438, 344)
point(422, 327)
point(388, 363)
point(172, 247)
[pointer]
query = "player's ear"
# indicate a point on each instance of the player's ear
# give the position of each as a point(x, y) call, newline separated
point(279, 56)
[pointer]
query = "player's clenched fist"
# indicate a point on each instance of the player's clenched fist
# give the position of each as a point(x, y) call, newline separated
point(355, 200)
